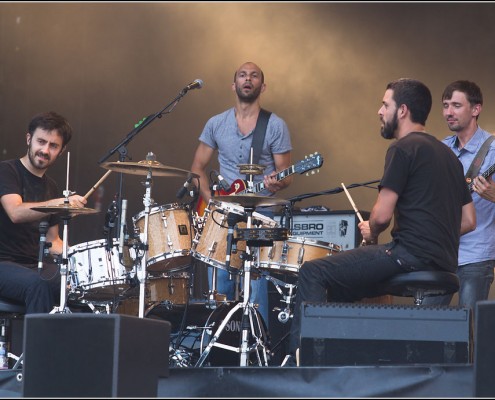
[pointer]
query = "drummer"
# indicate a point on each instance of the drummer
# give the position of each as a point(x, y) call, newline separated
point(23, 185)
point(231, 134)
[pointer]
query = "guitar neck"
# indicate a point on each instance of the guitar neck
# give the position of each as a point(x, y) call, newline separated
point(485, 175)
point(280, 175)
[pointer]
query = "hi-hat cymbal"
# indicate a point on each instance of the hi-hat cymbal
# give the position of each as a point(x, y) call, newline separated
point(65, 209)
point(251, 169)
point(252, 200)
point(142, 168)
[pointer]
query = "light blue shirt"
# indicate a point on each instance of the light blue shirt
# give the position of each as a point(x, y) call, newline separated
point(221, 132)
point(478, 245)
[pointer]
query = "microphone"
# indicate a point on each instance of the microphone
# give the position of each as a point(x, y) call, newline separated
point(232, 220)
point(110, 224)
point(223, 183)
point(43, 230)
point(122, 229)
point(183, 190)
point(196, 84)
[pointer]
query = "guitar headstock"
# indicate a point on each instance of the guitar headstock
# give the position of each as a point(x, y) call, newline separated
point(310, 163)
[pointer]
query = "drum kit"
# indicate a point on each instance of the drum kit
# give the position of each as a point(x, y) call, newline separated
point(150, 265)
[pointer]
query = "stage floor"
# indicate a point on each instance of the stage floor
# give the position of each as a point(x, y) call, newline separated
point(300, 382)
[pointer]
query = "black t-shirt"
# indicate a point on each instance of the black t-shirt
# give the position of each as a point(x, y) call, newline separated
point(429, 180)
point(20, 242)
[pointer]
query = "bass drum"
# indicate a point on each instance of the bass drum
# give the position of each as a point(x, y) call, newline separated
point(193, 326)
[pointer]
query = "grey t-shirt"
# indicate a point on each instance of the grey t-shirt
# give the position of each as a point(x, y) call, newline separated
point(222, 133)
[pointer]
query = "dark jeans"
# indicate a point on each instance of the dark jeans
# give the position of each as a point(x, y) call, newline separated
point(475, 281)
point(23, 284)
point(349, 276)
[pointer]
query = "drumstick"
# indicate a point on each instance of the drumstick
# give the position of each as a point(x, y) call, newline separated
point(90, 192)
point(363, 242)
point(352, 203)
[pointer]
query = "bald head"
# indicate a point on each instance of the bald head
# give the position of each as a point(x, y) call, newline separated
point(247, 67)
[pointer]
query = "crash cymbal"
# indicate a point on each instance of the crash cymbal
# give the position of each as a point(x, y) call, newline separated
point(65, 209)
point(142, 168)
point(251, 169)
point(252, 200)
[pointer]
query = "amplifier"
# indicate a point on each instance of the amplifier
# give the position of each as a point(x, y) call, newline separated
point(375, 334)
point(337, 227)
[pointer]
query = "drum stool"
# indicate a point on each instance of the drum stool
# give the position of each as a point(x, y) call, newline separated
point(421, 284)
point(12, 310)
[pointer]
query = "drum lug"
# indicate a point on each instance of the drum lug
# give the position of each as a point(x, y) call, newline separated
point(285, 251)
point(212, 249)
point(272, 251)
point(164, 220)
point(300, 256)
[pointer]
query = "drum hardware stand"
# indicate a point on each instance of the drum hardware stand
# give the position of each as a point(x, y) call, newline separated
point(147, 201)
point(247, 307)
point(285, 314)
point(65, 249)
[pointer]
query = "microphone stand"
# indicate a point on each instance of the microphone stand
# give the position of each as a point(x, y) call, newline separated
point(122, 149)
point(336, 190)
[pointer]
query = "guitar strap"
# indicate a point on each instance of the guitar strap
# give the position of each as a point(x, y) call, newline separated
point(259, 134)
point(475, 166)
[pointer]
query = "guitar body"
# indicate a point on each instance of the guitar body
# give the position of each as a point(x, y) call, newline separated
point(238, 186)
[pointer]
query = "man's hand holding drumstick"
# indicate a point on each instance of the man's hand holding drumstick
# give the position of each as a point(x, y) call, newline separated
point(364, 226)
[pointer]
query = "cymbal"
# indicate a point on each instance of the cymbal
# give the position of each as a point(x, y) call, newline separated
point(142, 168)
point(252, 200)
point(65, 209)
point(251, 169)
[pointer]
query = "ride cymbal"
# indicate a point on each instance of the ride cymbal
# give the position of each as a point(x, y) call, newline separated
point(142, 168)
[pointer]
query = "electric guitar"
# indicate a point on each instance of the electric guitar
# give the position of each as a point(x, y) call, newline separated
point(485, 175)
point(240, 186)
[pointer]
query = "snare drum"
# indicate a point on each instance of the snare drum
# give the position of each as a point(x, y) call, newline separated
point(169, 237)
point(289, 255)
point(96, 272)
point(210, 246)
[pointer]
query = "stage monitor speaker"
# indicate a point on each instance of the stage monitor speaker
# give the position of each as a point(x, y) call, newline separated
point(336, 227)
point(375, 334)
point(95, 355)
point(484, 349)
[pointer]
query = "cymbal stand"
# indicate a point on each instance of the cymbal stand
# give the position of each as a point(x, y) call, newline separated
point(141, 273)
point(211, 302)
point(65, 246)
point(248, 318)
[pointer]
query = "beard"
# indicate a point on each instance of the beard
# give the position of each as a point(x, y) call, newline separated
point(35, 162)
point(248, 98)
point(389, 128)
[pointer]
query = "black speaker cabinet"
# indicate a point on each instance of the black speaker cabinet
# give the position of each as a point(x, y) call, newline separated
point(484, 349)
point(376, 334)
point(95, 355)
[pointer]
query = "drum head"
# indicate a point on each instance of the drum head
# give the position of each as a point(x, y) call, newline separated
point(193, 326)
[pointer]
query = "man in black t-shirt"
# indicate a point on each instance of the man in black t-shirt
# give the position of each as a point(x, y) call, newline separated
point(422, 187)
point(24, 185)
